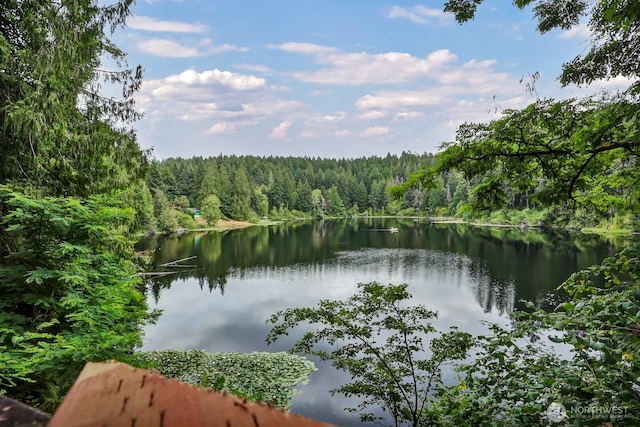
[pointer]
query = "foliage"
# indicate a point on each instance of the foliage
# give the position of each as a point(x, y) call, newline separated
point(165, 215)
point(335, 206)
point(571, 153)
point(360, 186)
point(513, 379)
point(264, 377)
point(382, 345)
point(554, 152)
point(182, 202)
point(58, 134)
point(68, 294)
point(210, 209)
point(614, 27)
point(242, 192)
point(565, 155)
point(280, 186)
point(138, 197)
point(186, 220)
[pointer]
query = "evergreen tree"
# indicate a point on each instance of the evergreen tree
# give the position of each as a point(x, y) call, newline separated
point(241, 195)
point(209, 182)
point(223, 191)
point(165, 216)
point(140, 199)
point(58, 134)
point(68, 293)
point(304, 199)
point(260, 202)
point(335, 206)
point(360, 196)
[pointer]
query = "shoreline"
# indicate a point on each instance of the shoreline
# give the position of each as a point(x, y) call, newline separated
point(224, 225)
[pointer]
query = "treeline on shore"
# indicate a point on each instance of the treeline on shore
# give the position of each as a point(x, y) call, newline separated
point(249, 188)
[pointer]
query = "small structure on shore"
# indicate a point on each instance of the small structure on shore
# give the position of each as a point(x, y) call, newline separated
point(195, 212)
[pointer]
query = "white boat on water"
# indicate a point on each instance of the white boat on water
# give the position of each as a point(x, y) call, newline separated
point(393, 230)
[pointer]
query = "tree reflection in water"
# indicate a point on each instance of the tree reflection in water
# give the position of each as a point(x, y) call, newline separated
point(467, 274)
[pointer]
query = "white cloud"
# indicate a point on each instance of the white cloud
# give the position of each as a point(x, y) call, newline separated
point(372, 115)
point(147, 23)
point(398, 99)
point(171, 49)
point(223, 96)
point(613, 84)
point(253, 67)
point(510, 31)
point(267, 107)
point(221, 127)
point(581, 31)
point(210, 48)
point(404, 116)
point(228, 127)
point(166, 48)
point(304, 48)
point(477, 111)
point(478, 77)
point(280, 131)
point(417, 14)
point(420, 92)
point(376, 131)
point(218, 78)
point(281, 88)
point(324, 125)
point(401, 12)
point(320, 92)
point(384, 68)
point(193, 108)
point(471, 79)
point(329, 118)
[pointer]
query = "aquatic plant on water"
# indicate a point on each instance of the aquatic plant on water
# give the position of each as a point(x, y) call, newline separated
point(261, 376)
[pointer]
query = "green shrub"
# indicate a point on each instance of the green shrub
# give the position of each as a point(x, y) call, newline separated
point(498, 216)
point(443, 211)
point(185, 220)
point(411, 211)
point(515, 217)
point(68, 292)
point(514, 377)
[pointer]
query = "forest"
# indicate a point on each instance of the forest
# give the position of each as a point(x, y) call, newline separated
point(76, 189)
point(248, 188)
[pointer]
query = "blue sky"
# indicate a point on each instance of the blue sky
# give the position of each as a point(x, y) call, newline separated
point(331, 78)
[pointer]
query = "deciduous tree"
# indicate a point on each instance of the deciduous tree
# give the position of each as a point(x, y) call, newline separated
point(210, 209)
point(578, 151)
point(563, 153)
point(391, 351)
point(615, 34)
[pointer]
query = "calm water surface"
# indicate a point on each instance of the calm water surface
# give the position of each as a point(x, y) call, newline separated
point(241, 277)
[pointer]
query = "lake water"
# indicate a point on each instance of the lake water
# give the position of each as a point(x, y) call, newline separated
point(241, 277)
